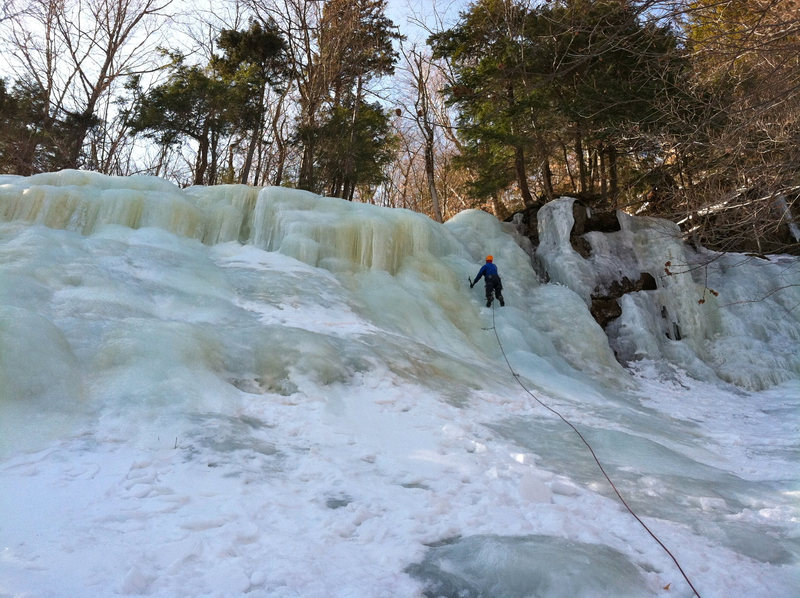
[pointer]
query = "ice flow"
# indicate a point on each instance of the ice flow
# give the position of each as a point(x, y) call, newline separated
point(228, 391)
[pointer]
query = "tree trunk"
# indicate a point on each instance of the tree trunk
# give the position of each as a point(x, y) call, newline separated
point(162, 158)
point(519, 157)
point(570, 174)
point(25, 157)
point(251, 152)
point(422, 110)
point(214, 166)
point(612, 173)
point(279, 141)
point(251, 148)
point(547, 178)
point(308, 137)
point(348, 166)
point(76, 136)
point(201, 164)
point(406, 184)
point(498, 207)
point(522, 176)
point(280, 166)
point(580, 156)
point(603, 180)
point(306, 180)
point(335, 188)
point(430, 173)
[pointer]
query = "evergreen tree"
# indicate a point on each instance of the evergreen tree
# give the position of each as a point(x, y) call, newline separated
point(587, 70)
point(360, 158)
point(352, 137)
point(499, 91)
point(613, 74)
point(254, 61)
point(206, 104)
point(190, 104)
point(30, 141)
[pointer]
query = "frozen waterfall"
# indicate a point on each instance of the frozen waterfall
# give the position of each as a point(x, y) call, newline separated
point(232, 391)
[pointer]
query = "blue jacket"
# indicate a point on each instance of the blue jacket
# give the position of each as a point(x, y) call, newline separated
point(488, 270)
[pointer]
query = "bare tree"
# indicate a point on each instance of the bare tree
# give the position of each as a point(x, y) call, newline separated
point(736, 124)
point(299, 22)
point(419, 69)
point(74, 53)
point(5, 10)
point(425, 171)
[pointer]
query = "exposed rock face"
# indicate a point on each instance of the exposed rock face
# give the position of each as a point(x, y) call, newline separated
point(526, 223)
point(587, 221)
point(604, 310)
point(605, 306)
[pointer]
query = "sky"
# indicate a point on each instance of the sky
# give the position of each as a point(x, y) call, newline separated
point(416, 17)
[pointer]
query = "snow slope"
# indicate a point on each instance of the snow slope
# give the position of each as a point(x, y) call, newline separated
point(239, 392)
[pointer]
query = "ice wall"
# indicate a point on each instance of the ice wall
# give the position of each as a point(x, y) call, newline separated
point(123, 289)
point(204, 356)
point(555, 255)
point(334, 234)
point(340, 235)
point(408, 274)
point(84, 201)
point(710, 313)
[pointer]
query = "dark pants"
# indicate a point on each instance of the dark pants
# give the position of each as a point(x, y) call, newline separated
point(494, 287)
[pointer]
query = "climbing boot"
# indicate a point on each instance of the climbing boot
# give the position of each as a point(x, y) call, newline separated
point(502, 303)
point(489, 303)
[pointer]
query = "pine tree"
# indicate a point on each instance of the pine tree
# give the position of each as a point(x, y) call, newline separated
point(356, 46)
point(498, 92)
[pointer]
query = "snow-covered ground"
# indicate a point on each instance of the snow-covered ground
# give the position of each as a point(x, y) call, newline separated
point(216, 392)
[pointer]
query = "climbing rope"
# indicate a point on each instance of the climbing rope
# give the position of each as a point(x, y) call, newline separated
point(594, 456)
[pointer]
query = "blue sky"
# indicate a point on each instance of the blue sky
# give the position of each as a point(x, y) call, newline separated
point(407, 13)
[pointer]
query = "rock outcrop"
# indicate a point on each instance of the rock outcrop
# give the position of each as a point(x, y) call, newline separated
point(604, 304)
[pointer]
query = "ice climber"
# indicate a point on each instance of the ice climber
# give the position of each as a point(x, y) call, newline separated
point(494, 286)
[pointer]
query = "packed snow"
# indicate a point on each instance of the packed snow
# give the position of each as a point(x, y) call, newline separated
point(233, 391)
